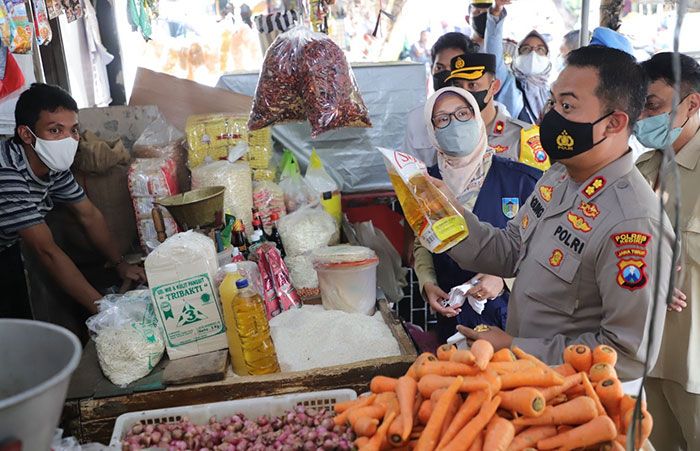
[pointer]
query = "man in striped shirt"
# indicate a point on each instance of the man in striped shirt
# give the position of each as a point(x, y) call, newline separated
point(34, 176)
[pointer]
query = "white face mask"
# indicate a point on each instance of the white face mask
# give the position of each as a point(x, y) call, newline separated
point(56, 155)
point(532, 63)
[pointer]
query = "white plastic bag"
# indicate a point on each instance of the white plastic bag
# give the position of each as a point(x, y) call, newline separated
point(126, 334)
point(307, 229)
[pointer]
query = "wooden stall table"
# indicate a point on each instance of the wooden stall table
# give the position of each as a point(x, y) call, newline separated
point(93, 403)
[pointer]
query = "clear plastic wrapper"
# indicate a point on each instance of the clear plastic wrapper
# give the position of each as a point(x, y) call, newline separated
point(148, 237)
point(272, 303)
point(212, 136)
point(268, 199)
point(152, 177)
point(161, 140)
point(237, 179)
point(343, 254)
point(128, 340)
point(307, 229)
point(287, 295)
point(277, 97)
point(331, 96)
point(297, 192)
point(303, 276)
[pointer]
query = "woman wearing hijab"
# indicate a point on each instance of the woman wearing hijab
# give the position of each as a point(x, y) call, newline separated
point(526, 84)
point(491, 187)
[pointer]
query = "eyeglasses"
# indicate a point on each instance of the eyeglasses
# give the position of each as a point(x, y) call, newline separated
point(527, 49)
point(463, 114)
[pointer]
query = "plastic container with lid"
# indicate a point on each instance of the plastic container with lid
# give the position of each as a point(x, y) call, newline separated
point(347, 278)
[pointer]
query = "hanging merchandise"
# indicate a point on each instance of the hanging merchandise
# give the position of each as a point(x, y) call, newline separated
point(5, 29)
point(54, 8)
point(271, 25)
point(297, 192)
point(140, 14)
point(13, 79)
point(20, 29)
point(41, 22)
point(73, 9)
point(99, 59)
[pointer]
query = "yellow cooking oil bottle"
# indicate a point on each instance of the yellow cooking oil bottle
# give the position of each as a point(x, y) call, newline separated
point(254, 331)
point(227, 294)
point(435, 221)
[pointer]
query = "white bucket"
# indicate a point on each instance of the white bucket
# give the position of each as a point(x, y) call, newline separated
point(351, 288)
point(36, 362)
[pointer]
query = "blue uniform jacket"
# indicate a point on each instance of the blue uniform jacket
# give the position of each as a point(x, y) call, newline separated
point(507, 186)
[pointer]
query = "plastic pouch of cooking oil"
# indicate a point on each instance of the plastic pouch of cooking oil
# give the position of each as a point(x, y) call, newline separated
point(435, 221)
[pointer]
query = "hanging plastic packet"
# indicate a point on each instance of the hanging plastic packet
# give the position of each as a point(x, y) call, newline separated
point(435, 221)
point(41, 22)
point(318, 178)
point(272, 304)
point(287, 294)
point(20, 28)
point(297, 192)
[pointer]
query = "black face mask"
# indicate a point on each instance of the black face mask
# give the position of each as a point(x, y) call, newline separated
point(563, 139)
point(480, 97)
point(478, 24)
point(439, 79)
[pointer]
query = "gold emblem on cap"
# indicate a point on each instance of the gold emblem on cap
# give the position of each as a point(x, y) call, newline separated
point(565, 141)
point(459, 63)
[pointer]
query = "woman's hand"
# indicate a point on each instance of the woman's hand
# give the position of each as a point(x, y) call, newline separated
point(488, 287)
point(435, 296)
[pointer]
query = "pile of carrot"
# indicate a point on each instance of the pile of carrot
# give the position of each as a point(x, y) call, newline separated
point(509, 400)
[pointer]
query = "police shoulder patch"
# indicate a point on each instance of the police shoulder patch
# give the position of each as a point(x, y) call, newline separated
point(578, 222)
point(631, 274)
point(630, 239)
point(510, 206)
point(556, 258)
point(499, 127)
point(596, 185)
point(546, 192)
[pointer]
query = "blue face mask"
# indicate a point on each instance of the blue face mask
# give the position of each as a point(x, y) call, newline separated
point(458, 139)
point(655, 132)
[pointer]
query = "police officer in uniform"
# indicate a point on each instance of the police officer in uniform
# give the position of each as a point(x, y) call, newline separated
point(509, 138)
point(585, 247)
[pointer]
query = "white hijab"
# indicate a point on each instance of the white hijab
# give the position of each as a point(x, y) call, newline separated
point(463, 175)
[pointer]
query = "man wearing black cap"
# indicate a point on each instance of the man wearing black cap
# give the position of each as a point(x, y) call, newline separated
point(508, 137)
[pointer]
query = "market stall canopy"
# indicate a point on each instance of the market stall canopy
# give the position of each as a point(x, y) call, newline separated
point(179, 99)
point(390, 91)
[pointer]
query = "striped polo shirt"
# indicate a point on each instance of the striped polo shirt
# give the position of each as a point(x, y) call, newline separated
point(25, 198)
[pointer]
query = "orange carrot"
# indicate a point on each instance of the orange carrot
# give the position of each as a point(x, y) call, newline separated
point(426, 409)
point(365, 426)
point(579, 356)
point(382, 384)
point(575, 412)
point(463, 356)
point(605, 354)
point(590, 392)
point(494, 380)
point(628, 402)
point(576, 390)
point(602, 371)
point(478, 444)
point(565, 369)
point(529, 437)
point(511, 367)
point(361, 442)
point(341, 407)
point(446, 351)
point(375, 443)
point(643, 429)
point(375, 411)
point(483, 351)
point(499, 434)
point(534, 377)
point(469, 433)
point(431, 382)
point(466, 412)
point(395, 431)
point(406, 389)
point(431, 434)
point(504, 355)
point(426, 356)
point(445, 369)
point(569, 382)
point(416, 407)
point(599, 429)
point(526, 401)
point(522, 355)
point(610, 393)
point(561, 399)
point(361, 402)
point(451, 412)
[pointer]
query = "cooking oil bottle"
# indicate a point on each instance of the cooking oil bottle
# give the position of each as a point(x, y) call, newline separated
point(254, 331)
point(227, 293)
point(436, 222)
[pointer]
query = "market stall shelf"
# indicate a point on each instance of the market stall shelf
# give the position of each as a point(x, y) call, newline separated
point(91, 409)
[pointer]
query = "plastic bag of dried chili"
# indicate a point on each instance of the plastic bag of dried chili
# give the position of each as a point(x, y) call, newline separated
point(328, 87)
point(278, 96)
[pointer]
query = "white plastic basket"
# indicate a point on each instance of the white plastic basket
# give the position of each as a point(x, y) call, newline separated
point(251, 408)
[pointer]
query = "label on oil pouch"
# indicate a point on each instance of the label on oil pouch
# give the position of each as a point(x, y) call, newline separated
point(188, 310)
point(448, 227)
